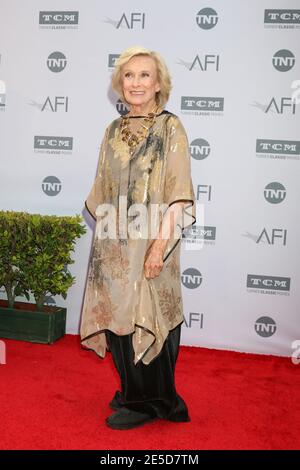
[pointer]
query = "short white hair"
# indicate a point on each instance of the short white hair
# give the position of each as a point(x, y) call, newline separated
point(164, 78)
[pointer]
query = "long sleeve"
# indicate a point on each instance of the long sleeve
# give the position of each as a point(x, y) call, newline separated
point(178, 181)
point(95, 196)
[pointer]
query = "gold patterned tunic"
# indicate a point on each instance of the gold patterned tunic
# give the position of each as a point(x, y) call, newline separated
point(118, 296)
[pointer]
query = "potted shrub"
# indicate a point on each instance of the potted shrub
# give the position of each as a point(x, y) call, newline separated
point(35, 251)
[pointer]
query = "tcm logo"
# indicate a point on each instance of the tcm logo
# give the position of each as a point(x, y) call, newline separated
point(279, 147)
point(121, 108)
point(2, 94)
point(191, 278)
point(283, 60)
point(265, 327)
point(58, 103)
point(282, 17)
point(273, 237)
point(42, 142)
point(112, 59)
point(257, 281)
point(193, 320)
point(207, 18)
point(56, 62)
point(200, 232)
point(49, 299)
point(198, 103)
point(275, 192)
point(2, 352)
point(134, 20)
point(199, 149)
point(51, 186)
point(203, 191)
point(58, 17)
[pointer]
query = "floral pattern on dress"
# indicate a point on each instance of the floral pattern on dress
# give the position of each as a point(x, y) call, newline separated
point(118, 297)
point(120, 148)
point(170, 304)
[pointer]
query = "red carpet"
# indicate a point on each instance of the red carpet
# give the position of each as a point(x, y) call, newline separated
point(56, 397)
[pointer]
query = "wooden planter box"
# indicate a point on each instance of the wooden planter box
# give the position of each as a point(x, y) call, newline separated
point(26, 323)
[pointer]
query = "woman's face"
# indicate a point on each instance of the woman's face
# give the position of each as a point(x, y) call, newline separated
point(140, 82)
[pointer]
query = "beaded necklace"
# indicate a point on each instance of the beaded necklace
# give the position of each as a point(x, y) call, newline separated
point(133, 139)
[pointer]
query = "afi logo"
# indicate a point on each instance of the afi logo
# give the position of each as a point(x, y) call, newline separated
point(208, 60)
point(280, 106)
point(193, 317)
point(204, 189)
point(275, 233)
point(57, 104)
point(130, 22)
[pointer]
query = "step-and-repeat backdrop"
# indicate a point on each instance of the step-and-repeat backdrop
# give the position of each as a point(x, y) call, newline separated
point(236, 87)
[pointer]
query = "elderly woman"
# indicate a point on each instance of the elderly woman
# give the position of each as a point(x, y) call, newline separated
point(142, 198)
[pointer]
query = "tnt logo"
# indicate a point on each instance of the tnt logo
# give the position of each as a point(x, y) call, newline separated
point(56, 62)
point(121, 108)
point(191, 278)
point(199, 149)
point(265, 327)
point(51, 185)
point(207, 18)
point(283, 60)
point(2, 352)
point(275, 192)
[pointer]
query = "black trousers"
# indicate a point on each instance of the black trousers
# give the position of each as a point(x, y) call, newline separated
point(148, 388)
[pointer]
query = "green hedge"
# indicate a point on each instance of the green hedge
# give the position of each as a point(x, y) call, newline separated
point(35, 251)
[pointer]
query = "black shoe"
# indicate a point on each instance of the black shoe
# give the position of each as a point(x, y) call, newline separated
point(127, 419)
point(116, 402)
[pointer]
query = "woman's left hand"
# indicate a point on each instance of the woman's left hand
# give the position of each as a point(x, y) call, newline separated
point(153, 262)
